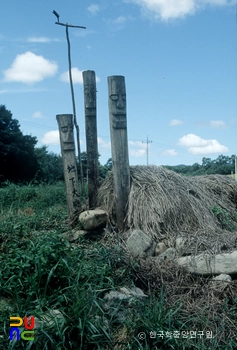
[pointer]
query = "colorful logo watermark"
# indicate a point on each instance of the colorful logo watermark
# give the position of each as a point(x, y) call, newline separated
point(16, 333)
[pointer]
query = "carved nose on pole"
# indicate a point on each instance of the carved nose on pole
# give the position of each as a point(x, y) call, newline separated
point(120, 103)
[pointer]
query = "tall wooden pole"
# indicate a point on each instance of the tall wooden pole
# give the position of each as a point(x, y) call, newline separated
point(119, 144)
point(91, 135)
point(65, 125)
point(73, 99)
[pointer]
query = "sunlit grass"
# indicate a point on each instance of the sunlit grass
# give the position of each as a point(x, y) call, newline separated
point(41, 271)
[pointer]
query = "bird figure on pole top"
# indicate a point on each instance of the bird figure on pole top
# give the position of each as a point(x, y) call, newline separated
point(56, 14)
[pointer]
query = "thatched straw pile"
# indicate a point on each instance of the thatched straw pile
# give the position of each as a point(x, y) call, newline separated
point(164, 204)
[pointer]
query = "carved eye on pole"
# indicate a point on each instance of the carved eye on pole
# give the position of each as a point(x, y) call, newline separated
point(64, 129)
point(114, 97)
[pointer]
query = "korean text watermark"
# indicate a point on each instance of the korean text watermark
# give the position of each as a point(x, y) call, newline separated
point(175, 334)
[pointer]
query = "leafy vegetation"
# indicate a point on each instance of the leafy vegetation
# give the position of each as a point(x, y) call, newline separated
point(16, 150)
point(223, 218)
point(223, 165)
point(37, 164)
point(41, 271)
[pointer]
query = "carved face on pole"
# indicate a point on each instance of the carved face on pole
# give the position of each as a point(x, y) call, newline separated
point(117, 101)
point(67, 136)
point(90, 97)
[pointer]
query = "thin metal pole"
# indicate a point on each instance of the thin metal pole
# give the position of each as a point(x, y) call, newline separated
point(147, 141)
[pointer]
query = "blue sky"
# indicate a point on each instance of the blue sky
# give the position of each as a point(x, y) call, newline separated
point(179, 59)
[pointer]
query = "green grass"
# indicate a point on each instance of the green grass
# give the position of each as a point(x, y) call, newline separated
point(41, 271)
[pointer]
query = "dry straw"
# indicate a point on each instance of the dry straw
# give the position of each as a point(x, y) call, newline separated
point(165, 204)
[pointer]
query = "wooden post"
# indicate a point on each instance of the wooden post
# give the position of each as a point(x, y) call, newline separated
point(119, 144)
point(91, 135)
point(65, 125)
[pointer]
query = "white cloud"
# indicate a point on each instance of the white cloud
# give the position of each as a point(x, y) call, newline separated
point(37, 115)
point(175, 122)
point(119, 22)
point(137, 148)
point(21, 90)
point(76, 76)
point(172, 9)
point(137, 153)
point(29, 68)
point(51, 138)
point(93, 9)
point(103, 144)
point(217, 124)
point(41, 39)
point(197, 145)
point(169, 152)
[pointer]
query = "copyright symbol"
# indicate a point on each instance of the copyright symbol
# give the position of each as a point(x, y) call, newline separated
point(141, 335)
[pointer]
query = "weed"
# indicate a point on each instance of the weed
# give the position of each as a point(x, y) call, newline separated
point(223, 218)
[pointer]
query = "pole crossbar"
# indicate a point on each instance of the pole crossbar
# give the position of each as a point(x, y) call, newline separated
point(69, 25)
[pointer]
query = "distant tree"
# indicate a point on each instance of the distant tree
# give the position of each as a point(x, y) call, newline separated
point(223, 165)
point(50, 165)
point(104, 169)
point(17, 158)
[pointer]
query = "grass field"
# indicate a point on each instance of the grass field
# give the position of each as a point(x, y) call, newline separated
point(40, 271)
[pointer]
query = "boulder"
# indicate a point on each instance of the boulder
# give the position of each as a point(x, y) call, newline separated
point(140, 244)
point(160, 248)
point(93, 219)
point(122, 302)
point(207, 264)
point(169, 254)
point(49, 319)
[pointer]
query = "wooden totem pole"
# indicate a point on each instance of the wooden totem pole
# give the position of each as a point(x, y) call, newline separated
point(65, 125)
point(91, 135)
point(119, 145)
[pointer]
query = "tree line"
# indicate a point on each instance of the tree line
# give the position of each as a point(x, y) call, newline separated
point(21, 161)
point(223, 165)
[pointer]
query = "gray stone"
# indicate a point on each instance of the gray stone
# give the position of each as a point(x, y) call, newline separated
point(169, 254)
point(140, 244)
point(160, 248)
point(93, 219)
point(101, 322)
point(180, 245)
point(49, 319)
point(220, 282)
point(125, 293)
point(222, 277)
point(121, 303)
point(73, 235)
point(206, 264)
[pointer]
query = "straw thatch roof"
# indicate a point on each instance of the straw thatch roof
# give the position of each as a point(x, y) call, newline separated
point(165, 204)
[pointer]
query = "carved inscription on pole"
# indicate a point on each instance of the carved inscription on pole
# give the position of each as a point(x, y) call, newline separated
point(91, 135)
point(119, 144)
point(65, 124)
